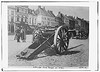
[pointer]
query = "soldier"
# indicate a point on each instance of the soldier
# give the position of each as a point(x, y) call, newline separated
point(39, 36)
point(23, 34)
point(15, 37)
point(18, 34)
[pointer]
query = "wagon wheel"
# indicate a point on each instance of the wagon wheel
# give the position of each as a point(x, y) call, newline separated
point(61, 40)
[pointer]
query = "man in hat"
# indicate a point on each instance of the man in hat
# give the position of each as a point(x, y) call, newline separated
point(23, 34)
point(18, 34)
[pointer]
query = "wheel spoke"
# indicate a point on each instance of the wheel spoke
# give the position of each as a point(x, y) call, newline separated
point(64, 44)
point(57, 40)
point(61, 40)
point(62, 36)
point(61, 33)
point(60, 48)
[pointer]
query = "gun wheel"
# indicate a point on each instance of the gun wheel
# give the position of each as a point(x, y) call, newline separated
point(61, 40)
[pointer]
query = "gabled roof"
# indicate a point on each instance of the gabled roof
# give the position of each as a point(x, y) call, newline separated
point(51, 13)
point(60, 15)
point(78, 18)
point(31, 12)
point(69, 17)
point(42, 11)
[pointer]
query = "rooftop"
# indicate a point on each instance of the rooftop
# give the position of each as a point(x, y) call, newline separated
point(42, 11)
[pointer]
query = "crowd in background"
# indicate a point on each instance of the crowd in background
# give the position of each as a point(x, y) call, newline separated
point(20, 34)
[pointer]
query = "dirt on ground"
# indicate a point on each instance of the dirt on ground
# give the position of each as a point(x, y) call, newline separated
point(77, 55)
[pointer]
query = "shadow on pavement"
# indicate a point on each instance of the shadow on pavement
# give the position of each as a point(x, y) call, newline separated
point(71, 52)
point(52, 52)
point(75, 47)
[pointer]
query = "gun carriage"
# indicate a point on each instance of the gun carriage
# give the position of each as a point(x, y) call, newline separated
point(57, 39)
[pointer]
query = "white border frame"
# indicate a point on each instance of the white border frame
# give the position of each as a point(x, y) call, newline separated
point(92, 34)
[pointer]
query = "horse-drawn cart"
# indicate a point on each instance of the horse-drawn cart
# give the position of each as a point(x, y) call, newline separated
point(57, 39)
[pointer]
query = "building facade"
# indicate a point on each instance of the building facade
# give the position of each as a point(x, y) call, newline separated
point(17, 16)
point(45, 18)
point(11, 19)
point(31, 17)
point(21, 13)
point(60, 19)
point(69, 21)
point(84, 25)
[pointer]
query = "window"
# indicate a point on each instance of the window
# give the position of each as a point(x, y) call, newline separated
point(42, 22)
point(32, 21)
point(21, 19)
point(48, 23)
point(39, 23)
point(25, 11)
point(22, 10)
point(48, 19)
point(35, 21)
point(17, 18)
point(12, 12)
point(17, 9)
point(8, 27)
point(25, 19)
point(12, 19)
point(42, 17)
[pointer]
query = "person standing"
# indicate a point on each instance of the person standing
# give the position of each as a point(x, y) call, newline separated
point(15, 37)
point(23, 34)
point(18, 34)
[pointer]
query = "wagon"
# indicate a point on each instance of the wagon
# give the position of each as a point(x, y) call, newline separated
point(57, 39)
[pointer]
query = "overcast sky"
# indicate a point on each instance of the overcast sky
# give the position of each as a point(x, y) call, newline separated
point(82, 12)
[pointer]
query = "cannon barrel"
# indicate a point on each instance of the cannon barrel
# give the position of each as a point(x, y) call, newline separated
point(30, 53)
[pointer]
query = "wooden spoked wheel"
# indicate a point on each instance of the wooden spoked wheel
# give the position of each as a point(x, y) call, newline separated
point(61, 40)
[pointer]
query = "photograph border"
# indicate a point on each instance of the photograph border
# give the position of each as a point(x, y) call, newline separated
point(53, 2)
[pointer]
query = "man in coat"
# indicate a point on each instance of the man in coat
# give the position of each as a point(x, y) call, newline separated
point(23, 34)
point(18, 34)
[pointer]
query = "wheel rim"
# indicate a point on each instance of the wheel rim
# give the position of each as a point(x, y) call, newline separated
point(60, 40)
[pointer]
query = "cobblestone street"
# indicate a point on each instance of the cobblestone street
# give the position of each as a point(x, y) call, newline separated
point(77, 56)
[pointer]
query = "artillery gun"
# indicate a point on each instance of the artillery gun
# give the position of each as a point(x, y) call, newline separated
point(58, 39)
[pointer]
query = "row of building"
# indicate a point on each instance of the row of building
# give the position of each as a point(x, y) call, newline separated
point(18, 15)
point(23, 16)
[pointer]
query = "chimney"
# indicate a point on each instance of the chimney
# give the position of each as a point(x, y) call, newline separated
point(51, 11)
point(43, 8)
point(59, 12)
point(39, 6)
point(66, 15)
point(48, 11)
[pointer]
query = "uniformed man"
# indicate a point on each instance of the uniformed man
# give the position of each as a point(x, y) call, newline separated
point(18, 34)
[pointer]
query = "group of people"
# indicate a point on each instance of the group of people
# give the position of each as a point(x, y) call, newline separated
point(20, 34)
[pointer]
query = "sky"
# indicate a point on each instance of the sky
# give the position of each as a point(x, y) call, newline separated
point(81, 12)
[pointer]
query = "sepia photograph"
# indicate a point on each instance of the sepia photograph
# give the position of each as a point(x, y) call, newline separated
point(48, 35)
